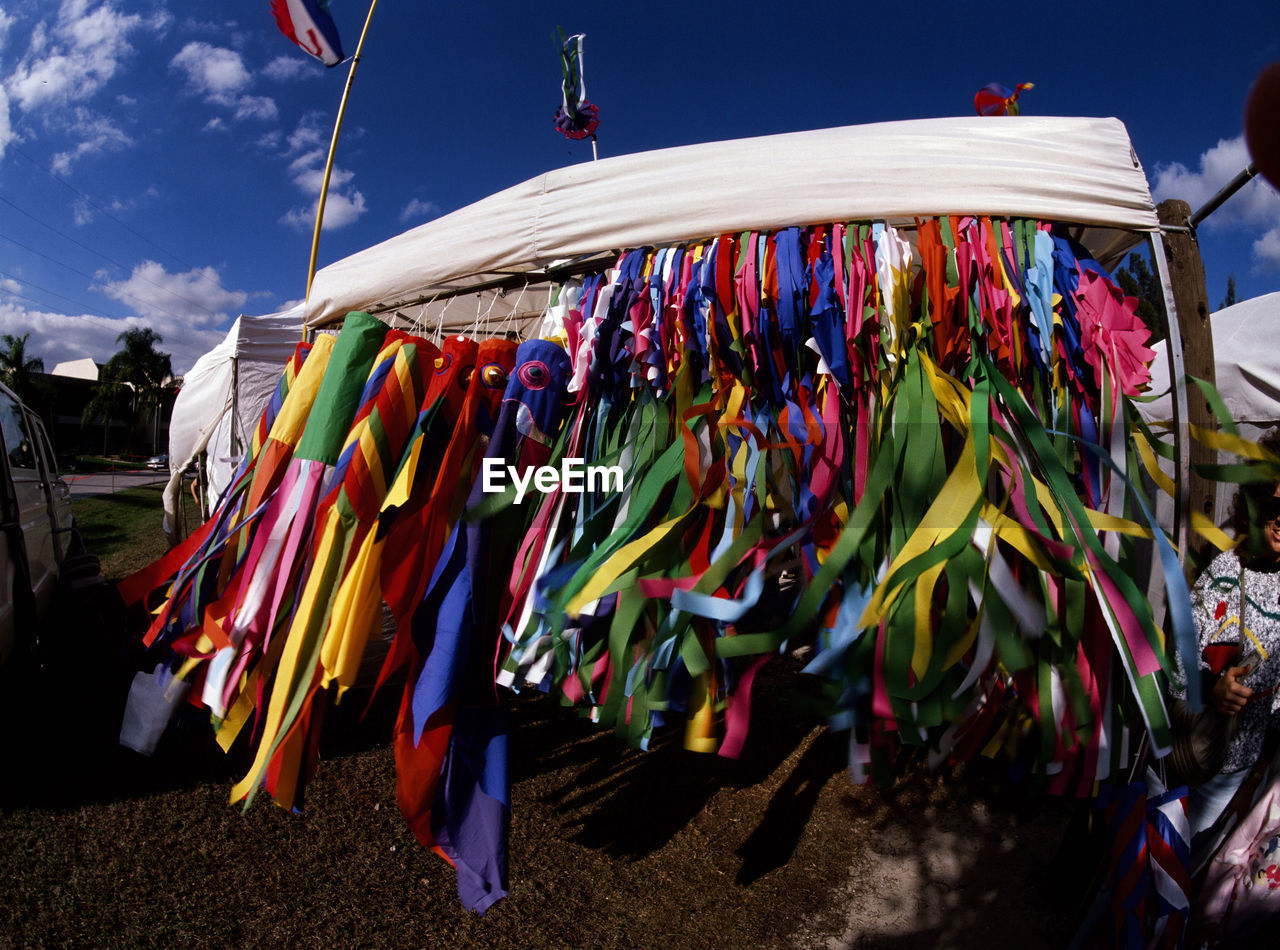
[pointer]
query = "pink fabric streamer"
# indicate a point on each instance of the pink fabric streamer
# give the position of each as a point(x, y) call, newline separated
point(1111, 333)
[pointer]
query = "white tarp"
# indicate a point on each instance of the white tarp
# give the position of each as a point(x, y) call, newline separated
point(1073, 170)
point(208, 417)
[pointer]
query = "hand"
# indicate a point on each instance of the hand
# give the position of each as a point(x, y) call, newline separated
point(1229, 694)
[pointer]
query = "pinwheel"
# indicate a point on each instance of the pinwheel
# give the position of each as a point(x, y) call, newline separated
point(995, 99)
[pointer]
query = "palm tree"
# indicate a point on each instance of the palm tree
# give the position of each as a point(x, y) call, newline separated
point(133, 380)
point(17, 369)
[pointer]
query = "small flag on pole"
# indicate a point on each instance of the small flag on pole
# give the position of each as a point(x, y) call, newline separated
point(308, 23)
point(576, 118)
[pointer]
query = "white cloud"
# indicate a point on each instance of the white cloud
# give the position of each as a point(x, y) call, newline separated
point(216, 124)
point(419, 210)
point(75, 58)
point(56, 337)
point(213, 72)
point(286, 68)
point(176, 302)
point(1255, 205)
point(256, 107)
point(84, 212)
point(308, 172)
point(341, 208)
point(1266, 250)
point(219, 75)
point(270, 141)
point(339, 211)
point(6, 22)
point(309, 134)
point(9, 285)
point(6, 130)
point(96, 133)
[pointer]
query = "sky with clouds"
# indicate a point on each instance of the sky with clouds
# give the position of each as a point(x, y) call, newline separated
point(160, 161)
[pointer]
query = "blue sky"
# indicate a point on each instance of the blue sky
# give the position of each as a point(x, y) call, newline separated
point(159, 167)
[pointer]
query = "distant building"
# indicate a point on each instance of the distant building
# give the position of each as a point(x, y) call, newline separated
point(70, 387)
point(78, 369)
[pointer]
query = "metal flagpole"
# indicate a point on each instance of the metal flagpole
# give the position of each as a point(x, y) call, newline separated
point(333, 147)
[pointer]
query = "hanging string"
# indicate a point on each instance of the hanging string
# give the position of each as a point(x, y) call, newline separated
point(509, 320)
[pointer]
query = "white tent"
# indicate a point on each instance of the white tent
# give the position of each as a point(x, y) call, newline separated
point(1247, 376)
point(222, 398)
point(1076, 171)
point(1072, 170)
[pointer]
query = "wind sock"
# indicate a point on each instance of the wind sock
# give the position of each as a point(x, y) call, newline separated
point(995, 99)
point(472, 803)
point(397, 422)
point(420, 740)
point(1126, 833)
point(283, 565)
point(576, 118)
point(270, 567)
point(308, 24)
point(1169, 850)
point(337, 607)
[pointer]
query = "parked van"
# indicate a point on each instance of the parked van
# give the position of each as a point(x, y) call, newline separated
point(35, 524)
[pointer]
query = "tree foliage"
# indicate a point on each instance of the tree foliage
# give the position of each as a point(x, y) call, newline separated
point(133, 381)
point(1230, 299)
point(1137, 279)
point(17, 369)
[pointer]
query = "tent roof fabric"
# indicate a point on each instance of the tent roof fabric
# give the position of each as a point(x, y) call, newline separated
point(1248, 378)
point(1074, 170)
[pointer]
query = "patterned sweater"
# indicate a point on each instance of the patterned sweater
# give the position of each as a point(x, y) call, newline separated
point(1215, 602)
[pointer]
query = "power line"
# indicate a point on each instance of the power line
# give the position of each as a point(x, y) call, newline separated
point(101, 210)
point(199, 306)
point(52, 260)
point(46, 290)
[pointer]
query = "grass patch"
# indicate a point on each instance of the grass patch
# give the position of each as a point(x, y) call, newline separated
point(98, 463)
point(125, 529)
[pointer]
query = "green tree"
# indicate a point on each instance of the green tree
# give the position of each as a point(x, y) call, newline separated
point(133, 382)
point(1137, 279)
point(1230, 298)
point(17, 370)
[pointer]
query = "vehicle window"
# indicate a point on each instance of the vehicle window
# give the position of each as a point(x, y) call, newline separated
point(46, 453)
point(17, 440)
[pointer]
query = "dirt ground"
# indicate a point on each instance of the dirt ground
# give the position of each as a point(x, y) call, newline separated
point(610, 847)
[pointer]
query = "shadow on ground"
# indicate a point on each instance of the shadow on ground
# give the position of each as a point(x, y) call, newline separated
point(610, 846)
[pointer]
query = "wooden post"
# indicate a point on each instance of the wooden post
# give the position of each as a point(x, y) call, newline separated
point(1186, 273)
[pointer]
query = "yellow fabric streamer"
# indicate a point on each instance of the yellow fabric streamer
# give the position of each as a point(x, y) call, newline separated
point(1152, 465)
point(1212, 533)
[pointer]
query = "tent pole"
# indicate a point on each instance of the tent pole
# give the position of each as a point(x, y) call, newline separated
point(1243, 178)
point(1181, 272)
point(333, 148)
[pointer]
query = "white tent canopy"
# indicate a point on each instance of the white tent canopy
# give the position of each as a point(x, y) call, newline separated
point(1072, 170)
point(1248, 377)
point(222, 398)
point(1076, 171)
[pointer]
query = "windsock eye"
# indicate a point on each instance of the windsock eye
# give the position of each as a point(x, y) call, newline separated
point(534, 374)
point(493, 376)
point(443, 362)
